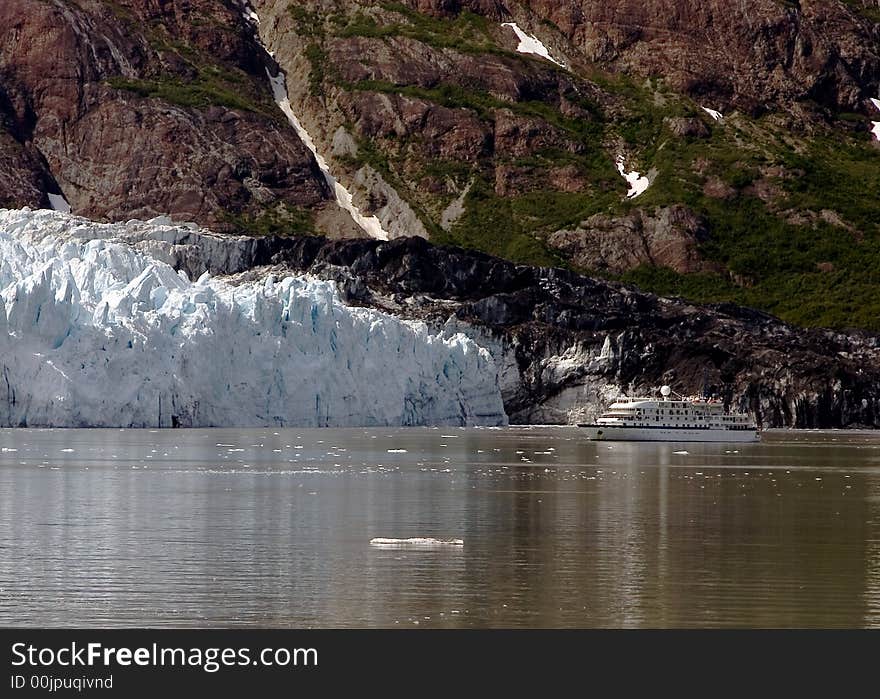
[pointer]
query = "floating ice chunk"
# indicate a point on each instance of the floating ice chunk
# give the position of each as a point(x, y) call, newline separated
point(371, 225)
point(637, 183)
point(716, 115)
point(59, 203)
point(416, 541)
point(528, 43)
point(681, 452)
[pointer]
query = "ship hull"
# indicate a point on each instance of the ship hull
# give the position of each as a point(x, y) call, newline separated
point(606, 433)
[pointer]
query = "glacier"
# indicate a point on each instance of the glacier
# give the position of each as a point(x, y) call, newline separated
point(97, 332)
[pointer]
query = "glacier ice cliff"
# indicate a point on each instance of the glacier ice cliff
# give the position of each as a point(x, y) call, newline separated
point(97, 332)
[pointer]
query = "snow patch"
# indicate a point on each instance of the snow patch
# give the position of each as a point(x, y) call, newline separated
point(371, 225)
point(529, 43)
point(638, 184)
point(94, 332)
point(59, 203)
point(876, 124)
point(716, 115)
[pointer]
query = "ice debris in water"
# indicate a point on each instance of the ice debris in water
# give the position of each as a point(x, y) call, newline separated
point(416, 541)
point(96, 332)
point(528, 43)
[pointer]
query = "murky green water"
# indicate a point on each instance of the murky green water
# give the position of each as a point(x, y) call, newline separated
point(273, 528)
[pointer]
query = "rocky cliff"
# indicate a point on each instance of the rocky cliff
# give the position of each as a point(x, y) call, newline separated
point(137, 108)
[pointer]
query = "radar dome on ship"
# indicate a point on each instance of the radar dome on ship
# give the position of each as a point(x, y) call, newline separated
point(665, 391)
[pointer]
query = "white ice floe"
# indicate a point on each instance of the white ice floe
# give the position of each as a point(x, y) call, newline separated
point(416, 541)
point(58, 203)
point(716, 115)
point(95, 332)
point(528, 43)
point(637, 183)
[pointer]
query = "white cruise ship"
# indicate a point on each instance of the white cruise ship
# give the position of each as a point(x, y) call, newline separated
point(669, 419)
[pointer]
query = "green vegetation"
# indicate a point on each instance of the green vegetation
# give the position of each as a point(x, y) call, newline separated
point(493, 224)
point(281, 220)
point(317, 58)
point(203, 81)
point(779, 264)
point(466, 32)
point(587, 131)
point(199, 93)
point(307, 23)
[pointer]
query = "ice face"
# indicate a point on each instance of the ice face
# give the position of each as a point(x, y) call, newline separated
point(98, 333)
point(58, 203)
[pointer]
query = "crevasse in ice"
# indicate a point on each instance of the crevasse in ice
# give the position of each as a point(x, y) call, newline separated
point(97, 333)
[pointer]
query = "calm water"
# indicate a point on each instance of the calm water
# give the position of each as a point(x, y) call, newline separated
point(273, 528)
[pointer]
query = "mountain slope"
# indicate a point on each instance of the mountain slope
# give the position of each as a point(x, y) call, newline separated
point(500, 126)
point(138, 108)
point(773, 205)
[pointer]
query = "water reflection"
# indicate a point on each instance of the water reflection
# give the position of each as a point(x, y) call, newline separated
point(272, 528)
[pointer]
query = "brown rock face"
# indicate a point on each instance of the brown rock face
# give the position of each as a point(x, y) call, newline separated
point(141, 107)
point(490, 8)
point(668, 237)
point(745, 55)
